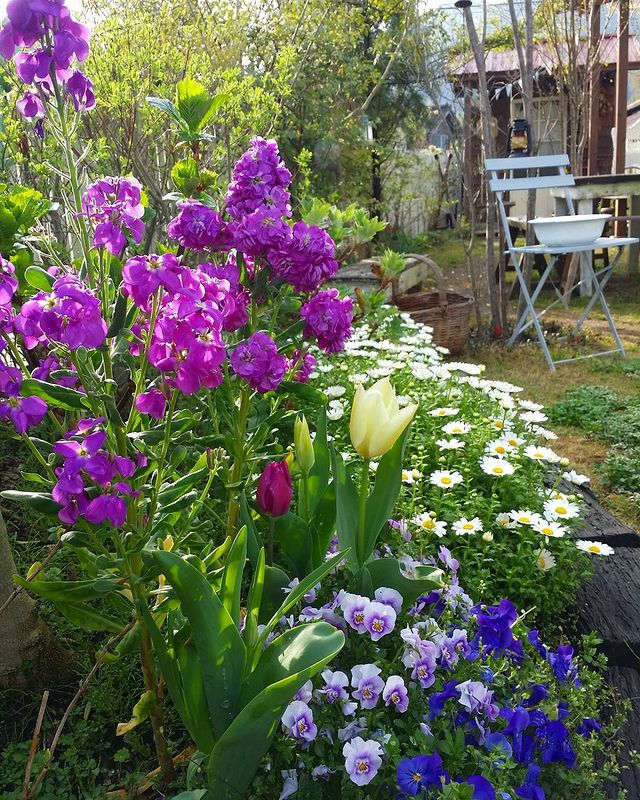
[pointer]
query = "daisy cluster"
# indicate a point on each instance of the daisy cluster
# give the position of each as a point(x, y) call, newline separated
point(480, 473)
point(414, 676)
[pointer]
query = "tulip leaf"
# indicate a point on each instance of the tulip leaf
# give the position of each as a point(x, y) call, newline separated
point(323, 524)
point(254, 542)
point(232, 576)
point(386, 572)
point(384, 495)
point(70, 591)
point(195, 696)
point(318, 479)
point(346, 508)
point(220, 648)
point(237, 753)
point(276, 581)
point(254, 601)
point(293, 534)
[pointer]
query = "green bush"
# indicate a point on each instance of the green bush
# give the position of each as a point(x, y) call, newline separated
point(585, 407)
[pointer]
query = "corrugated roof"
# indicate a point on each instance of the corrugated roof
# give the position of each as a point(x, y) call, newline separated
point(545, 58)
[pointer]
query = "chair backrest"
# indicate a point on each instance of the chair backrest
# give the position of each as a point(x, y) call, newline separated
point(499, 183)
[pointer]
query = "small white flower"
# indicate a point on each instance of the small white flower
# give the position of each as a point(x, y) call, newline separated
point(553, 530)
point(444, 412)
point(410, 476)
point(503, 520)
point(431, 524)
point(541, 454)
point(450, 444)
point(464, 526)
point(456, 428)
point(444, 478)
point(545, 560)
point(533, 417)
point(501, 424)
point(559, 509)
point(335, 410)
point(499, 448)
point(525, 517)
point(335, 391)
point(529, 405)
point(373, 466)
point(469, 369)
point(513, 440)
point(545, 433)
point(599, 548)
point(487, 536)
point(575, 477)
point(496, 466)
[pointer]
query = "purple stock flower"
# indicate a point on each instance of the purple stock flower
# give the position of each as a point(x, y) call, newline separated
point(24, 412)
point(30, 66)
point(334, 686)
point(362, 760)
point(261, 231)
point(306, 259)
point(197, 227)
point(87, 455)
point(30, 106)
point(379, 619)
point(328, 319)
point(298, 721)
point(395, 693)
point(256, 175)
point(258, 362)
point(106, 508)
point(80, 91)
point(301, 365)
point(152, 403)
point(421, 772)
point(115, 204)
point(8, 283)
point(143, 275)
point(368, 685)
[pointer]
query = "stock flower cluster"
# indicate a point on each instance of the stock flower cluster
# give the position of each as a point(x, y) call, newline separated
point(43, 40)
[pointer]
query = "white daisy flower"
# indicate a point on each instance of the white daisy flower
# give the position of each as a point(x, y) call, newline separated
point(429, 523)
point(469, 369)
point(335, 410)
point(559, 509)
point(513, 440)
point(456, 428)
point(553, 530)
point(324, 367)
point(525, 517)
point(358, 377)
point(410, 476)
point(444, 412)
point(499, 447)
point(464, 526)
point(599, 548)
point(496, 466)
point(541, 454)
point(575, 477)
point(544, 433)
point(545, 560)
point(450, 444)
point(529, 405)
point(533, 417)
point(503, 520)
point(445, 479)
point(501, 424)
point(335, 391)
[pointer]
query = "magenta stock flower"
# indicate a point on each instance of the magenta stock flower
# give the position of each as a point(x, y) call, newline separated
point(261, 231)
point(305, 259)
point(301, 365)
point(368, 684)
point(395, 693)
point(275, 489)
point(256, 175)
point(198, 227)
point(298, 721)
point(8, 283)
point(70, 314)
point(24, 412)
point(152, 403)
point(80, 90)
point(30, 106)
point(379, 620)
point(328, 319)
point(258, 362)
point(362, 760)
point(143, 275)
point(115, 205)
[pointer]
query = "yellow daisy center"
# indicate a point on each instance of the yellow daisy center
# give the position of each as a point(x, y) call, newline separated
point(446, 480)
point(429, 524)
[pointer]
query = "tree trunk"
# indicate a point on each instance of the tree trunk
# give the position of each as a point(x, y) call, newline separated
point(30, 655)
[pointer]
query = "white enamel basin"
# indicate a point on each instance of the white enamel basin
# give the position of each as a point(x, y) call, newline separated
point(569, 231)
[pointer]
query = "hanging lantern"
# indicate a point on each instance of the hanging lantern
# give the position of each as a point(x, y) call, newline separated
point(519, 142)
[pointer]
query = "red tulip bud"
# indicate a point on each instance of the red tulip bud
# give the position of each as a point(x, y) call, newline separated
point(274, 489)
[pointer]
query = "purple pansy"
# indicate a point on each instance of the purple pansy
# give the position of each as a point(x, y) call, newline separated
point(362, 760)
point(422, 772)
point(395, 693)
point(379, 619)
point(334, 686)
point(298, 721)
point(367, 683)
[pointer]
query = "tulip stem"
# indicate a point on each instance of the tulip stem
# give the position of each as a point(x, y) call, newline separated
point(272, 531)
point(362, 511)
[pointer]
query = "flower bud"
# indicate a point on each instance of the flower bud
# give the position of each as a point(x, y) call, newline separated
point(305, 456)
point(564, 462)
point(274, 489)
point(487, 536)
point(377, 420)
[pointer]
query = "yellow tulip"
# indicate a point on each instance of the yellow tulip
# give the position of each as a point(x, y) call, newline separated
point(377, 420)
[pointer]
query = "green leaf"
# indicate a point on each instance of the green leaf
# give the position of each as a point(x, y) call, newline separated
point(384, 495)
point(38, 278)
point(119, 317)
point(195, 696)
point(303, 391)
point(232, 575)
point(254, 601)
point(55, 395)
point(185, 176)
point(320, 472)
point(323, 524)
point(254, 542)
point(86, 617)
point(386, 572)
point(346, 508)
point(192, 794)
point(194, 104)
point(293, 534)
point(167, 107)
point(289, 661)
point(221, 651)
point(38, 501)
point(276, 581)
point(173, 491)
point(70, 591)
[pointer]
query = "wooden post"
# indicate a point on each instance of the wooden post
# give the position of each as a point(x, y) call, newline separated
point(594, 91)
point(622, 82)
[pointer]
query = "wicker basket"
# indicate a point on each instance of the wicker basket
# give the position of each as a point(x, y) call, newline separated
point(446, 312)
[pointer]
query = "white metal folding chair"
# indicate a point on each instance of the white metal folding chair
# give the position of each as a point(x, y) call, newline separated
point(501, 181)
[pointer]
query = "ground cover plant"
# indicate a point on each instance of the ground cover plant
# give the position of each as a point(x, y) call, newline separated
point(165, 399)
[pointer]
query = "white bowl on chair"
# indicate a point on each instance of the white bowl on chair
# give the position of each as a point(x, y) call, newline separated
point(571, 231)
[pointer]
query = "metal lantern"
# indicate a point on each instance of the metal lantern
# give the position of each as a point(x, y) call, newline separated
point(519, 142)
